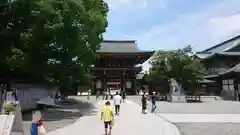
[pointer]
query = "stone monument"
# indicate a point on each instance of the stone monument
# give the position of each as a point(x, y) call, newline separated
point(176, 94)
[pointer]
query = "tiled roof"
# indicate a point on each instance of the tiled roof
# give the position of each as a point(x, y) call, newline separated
point(230, 53)
point(221, 49)
point(224, 46)
point(204, 55)
point(207, 81)
point(113, 46)
point(210, 76)
point(235, 69)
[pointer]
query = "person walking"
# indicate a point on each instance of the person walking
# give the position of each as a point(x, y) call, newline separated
point(107, 117)
point(111, 95)
point(97, 94)
point(153, 98)
point(117, 100)
point(123, 95)
point(144, 102)
point(89, 93)
point(106, 96)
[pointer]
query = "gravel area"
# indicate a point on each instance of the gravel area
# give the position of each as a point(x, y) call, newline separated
point(209, 129)
point(59, 117)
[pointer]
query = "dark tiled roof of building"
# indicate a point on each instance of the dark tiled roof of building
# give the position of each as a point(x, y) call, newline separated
point(235, 69)
point(224, 46)
point(210, 76)
point(125, 46)
point(221, 49)
point(207, 81)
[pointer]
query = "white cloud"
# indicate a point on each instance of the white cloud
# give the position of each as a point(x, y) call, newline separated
point(219, 27)
point(201, 29)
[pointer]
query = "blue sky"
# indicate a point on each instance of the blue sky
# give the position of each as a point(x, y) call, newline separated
point(172, 24)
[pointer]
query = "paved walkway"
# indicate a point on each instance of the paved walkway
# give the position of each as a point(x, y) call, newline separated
point(206, 118)
point(130, 122)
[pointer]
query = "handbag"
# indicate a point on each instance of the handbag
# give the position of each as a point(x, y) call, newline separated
point(41, 130)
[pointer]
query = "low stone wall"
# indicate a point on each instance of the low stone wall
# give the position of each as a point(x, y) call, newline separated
point(28, 94)
point(6, 122)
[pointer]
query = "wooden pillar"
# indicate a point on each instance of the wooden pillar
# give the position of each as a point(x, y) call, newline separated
point(123, 81)
point(104, 84)
point(134, 86)
point(104, 79)
point(134, 83)
point(123, 84)
point(236, 87)
point(93, 85)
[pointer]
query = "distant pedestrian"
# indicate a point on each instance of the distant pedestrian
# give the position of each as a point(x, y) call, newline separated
point(117, 100)
point(42, 109)
point(153, 98)
point(89, 93)
point(103, 95)
point(111, 95)
point(97, 94)
point(107, 116)
point(106, 95)
point(14, 96)
point(144, 103)
point(123, 96)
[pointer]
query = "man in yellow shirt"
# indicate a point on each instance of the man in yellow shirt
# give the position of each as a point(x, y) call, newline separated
point(107, 116)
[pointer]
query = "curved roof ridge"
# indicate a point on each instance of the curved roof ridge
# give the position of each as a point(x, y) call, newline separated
point(235, 43)
point(222, 43)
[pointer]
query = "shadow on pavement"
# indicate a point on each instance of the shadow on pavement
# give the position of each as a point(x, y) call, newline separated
point(72, 109)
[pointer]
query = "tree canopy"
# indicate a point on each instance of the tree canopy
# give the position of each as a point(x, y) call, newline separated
point(54, 41)
point(177, 64)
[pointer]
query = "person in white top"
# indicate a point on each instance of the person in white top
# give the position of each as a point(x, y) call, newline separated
point(117, 100)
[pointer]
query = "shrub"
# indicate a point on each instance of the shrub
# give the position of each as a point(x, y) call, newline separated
point(9, 107)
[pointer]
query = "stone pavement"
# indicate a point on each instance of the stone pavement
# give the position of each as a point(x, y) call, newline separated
point(205, 118)
point(130, 122)
point(209, 128)
point(210, 118)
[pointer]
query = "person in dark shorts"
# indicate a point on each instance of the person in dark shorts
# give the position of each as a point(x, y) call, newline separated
point(97, 94)
point(144, 102)
point(14, 96)
point(123, 96)
point(107, 116)
point(154, 107)
point(41, 108)
point(117, 102)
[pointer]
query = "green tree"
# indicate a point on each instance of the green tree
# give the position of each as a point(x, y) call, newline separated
point(177, 64)
point(77, 36)
point(14, 27)
point(49, 39)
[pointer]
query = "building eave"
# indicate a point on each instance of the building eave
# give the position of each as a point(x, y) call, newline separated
point(222, 43)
